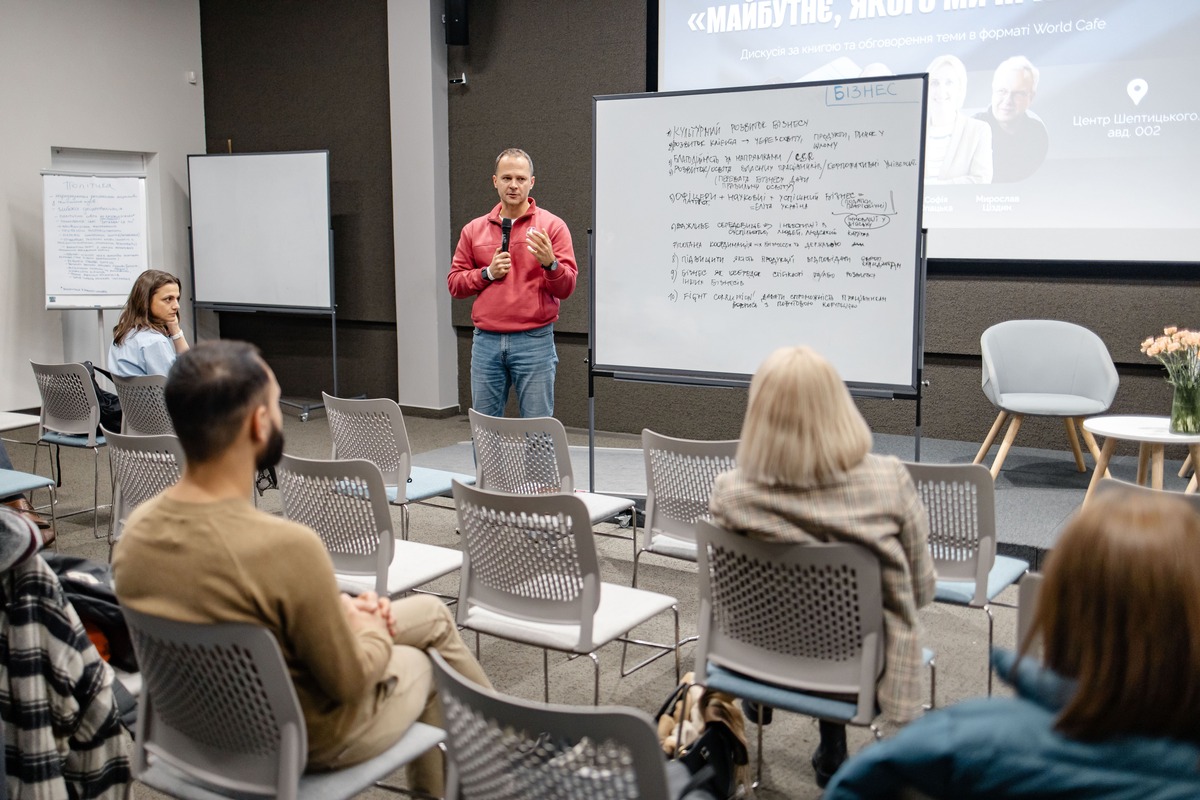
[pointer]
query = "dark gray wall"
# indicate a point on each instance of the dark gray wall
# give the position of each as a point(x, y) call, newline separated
point(311, 75)
point(532, 68)
point(293, 74)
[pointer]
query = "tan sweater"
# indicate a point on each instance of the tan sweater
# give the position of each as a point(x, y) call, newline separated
point(229, 562)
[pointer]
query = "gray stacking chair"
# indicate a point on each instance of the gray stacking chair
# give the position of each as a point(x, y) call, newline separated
point(504, 748)
point(374, 430)
point(1048, 368)
point(679, 481)
point(142, 467)
point(70, 417)
point(787, 625)
point(143, 407)
point(961, 501)
point(346, 504)
point(530, 574)
point(219, 717)
point(1113, 485)
point(531, 456)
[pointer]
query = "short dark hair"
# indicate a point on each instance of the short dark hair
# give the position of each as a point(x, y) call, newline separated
point(209, 390)
point(513, 152)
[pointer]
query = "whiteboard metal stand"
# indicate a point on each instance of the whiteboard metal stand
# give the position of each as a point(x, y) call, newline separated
point(921, 382)
point(303, 406)
point(591, 375)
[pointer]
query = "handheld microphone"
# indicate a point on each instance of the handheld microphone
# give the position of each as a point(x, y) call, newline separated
point(505, 232)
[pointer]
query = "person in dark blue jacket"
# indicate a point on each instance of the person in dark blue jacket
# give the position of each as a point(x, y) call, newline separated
point(1114, 712)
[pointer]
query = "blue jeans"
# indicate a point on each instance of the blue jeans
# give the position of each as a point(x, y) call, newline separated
point(525, 359)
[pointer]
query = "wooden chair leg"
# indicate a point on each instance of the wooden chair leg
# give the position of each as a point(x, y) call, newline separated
point(1009, 435)
point(1187, 465)
point(991, 437)
point(1090, 441)
point(1073, 437)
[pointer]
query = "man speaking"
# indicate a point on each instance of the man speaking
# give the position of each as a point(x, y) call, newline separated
point(519, 260)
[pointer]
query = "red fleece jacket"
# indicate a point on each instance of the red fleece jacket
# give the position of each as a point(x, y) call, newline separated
point(528, 296)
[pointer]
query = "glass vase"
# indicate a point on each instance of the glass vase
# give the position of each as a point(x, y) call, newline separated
point(1185, 410)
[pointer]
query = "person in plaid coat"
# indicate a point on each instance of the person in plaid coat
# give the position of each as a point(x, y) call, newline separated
point(805, 473)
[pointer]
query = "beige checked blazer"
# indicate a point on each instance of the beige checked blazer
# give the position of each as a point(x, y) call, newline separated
point(874, 505)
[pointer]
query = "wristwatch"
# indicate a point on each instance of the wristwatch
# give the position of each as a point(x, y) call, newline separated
point(487, 276)
point(553, 265)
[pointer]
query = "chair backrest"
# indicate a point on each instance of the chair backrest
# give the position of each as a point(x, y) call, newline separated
point(143, 407)
point(521, 456)
point(679, 480)
point(504, 748)
point(218, 704)
point(346, 504)
point(1046, 356)
point(1028, 592)
point(805, 616)
point(961, 501)
point(531, 556)
point(142, 466)
point(69, 403)
point(1107, 485)
point(373, 430)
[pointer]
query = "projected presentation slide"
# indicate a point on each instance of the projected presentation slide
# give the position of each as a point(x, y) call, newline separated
point(1055, 129)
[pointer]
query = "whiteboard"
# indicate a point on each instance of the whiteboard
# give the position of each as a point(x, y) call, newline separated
point(95, 238)
point(260, 230)
point(730, 223)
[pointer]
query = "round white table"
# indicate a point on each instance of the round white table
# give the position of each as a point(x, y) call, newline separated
point(1152, 435)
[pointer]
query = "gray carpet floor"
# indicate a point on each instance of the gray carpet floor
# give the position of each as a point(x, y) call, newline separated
point(1037, 491)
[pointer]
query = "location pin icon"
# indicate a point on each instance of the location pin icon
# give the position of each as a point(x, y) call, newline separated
point(1137, 89)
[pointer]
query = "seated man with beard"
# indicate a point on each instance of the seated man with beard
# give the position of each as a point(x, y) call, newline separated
point(201, 553)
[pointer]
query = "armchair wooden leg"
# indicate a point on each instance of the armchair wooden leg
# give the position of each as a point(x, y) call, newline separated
point(1194, 455)
point(1073, 437)
point(1009, 435)
point(991, 437)
point(1090, 441)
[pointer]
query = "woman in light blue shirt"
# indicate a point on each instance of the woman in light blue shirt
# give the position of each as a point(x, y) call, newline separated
point(147, 338)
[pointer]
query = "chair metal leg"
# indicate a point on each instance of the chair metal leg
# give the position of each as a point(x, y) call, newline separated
point(95, 492)
point(404, 522)
point(546, 675)
point(933, 682)
point(758, 769)
point(991, 437)
point(595, 678)
point(663, 649)
point(991, 638)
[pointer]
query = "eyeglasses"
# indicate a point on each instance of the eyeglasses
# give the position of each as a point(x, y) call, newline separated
point(1004, 94)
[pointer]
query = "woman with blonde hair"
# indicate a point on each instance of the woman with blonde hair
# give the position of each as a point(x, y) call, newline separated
point(805, 473)
point(958, 148)
point(147, 338)
point(1113, 713)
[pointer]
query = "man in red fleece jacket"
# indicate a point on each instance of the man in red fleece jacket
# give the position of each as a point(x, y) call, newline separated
point(518, 291)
